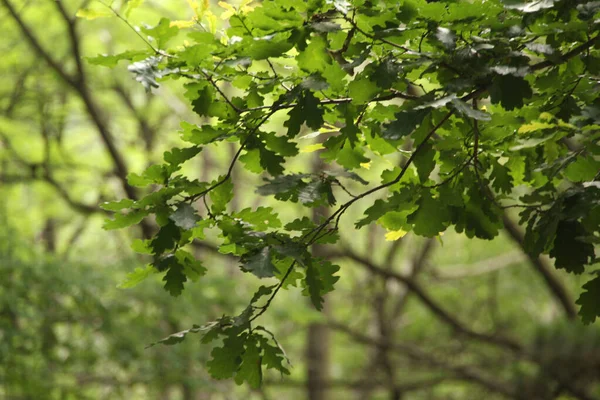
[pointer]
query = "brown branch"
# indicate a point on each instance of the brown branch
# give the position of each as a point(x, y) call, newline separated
point(394, 94)
point(414, 353)
point(146, 130)
point(567, 56)
point(543, 267)
point(73, 38)
point(45, 176)
point(33, 41)
point(418, 265)
point(62, 192)
point(479, 268)
point(434, 307)
point(404, 387)
point(79, 85)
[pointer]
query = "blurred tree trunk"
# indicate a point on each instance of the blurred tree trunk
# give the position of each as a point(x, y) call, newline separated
point(317, 340)
point(48, 235)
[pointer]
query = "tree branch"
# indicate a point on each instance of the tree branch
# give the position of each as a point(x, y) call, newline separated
point(435, 308)
point(33, 41)
point(541, 265)
point(79, 84)
point(414, 353)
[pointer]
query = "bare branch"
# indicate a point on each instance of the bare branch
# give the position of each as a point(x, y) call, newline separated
point(463, 373)
point(434, 307)
point(33, 41)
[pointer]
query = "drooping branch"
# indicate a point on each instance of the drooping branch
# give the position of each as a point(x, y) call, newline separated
point(543, 267)
point(436, 309)
point(414, 353)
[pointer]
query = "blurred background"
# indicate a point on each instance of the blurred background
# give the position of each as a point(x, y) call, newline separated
point(411, 318)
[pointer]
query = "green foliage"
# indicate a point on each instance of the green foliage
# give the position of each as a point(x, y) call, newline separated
point(589, 300)
point(472, 100)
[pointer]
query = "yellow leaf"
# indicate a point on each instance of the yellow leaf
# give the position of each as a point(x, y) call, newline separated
point(535, 126)
point(230, 10)
point(245, 7)
point(90, 14)
point(183, 24)
point(395, 235)
point(212, 21)
point(366, 165)
point(546, 116)
point(226, 6)
point(195, 7)
point(312, 147)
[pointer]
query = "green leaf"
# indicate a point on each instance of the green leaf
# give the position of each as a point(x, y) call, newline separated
point(314, 285)
point(470, 112)
point(569, 251)
point(185, 216)
point(431, 217)
point(221, 195)
point(162, 32)
point(583, 169)
point(174, 278)
point(362, 90)
point(588, 300)
point(260, 263)
point(250, 369)
point(510, 91)
point(111, 61)
point(406, 122)
point(141, 246)
point(320, 279)
point(262, 219)
point(176, 157)
point(273, 357)
point(315, 193)
point(226, 360)
point(137, 276)
point(307, 111)
point(261, 292)
point(166, 238)
point(179, 337)
point(192, 268)
point(153, 174)
point(124, 220)
point(204, 134)
point(351, 158)
point(315, 57)
point(479, 217)
point(502, 180)
point(117, 205)
point(284, 187)
point(269, 46)
point(424, 161)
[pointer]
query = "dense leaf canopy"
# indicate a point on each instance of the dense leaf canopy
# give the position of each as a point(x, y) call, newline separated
point(467, 110)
